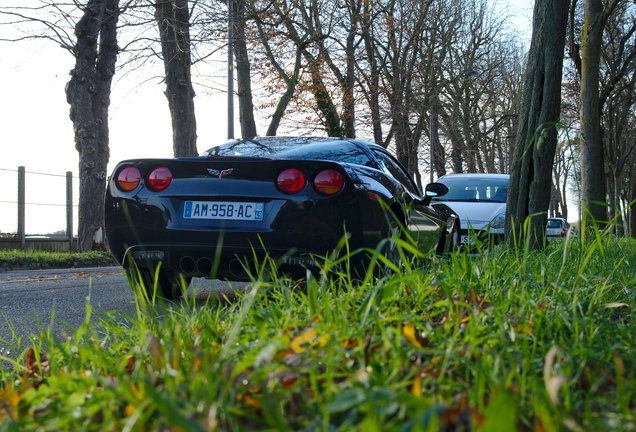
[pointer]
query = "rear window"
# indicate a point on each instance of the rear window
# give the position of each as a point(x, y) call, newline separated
point(292, 148)
point(475, 189)
point(555, 223)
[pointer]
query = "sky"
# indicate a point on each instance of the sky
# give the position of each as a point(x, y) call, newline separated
point(36, 131)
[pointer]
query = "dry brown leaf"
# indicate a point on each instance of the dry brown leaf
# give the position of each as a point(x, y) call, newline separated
point(288, 379)
point(130, 366)
point(552, 382)
point(32, 363)
point(458, 416)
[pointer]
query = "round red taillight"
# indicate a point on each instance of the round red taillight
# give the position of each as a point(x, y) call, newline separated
point(128, 179)
point(159, 179)
point(329, 182)
point(291, 180)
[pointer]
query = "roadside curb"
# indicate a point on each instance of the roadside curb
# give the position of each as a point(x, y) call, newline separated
point(5, 267)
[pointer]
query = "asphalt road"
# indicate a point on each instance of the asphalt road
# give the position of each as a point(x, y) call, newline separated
point(32, 300)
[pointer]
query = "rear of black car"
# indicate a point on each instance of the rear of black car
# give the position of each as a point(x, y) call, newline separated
point(199, 216)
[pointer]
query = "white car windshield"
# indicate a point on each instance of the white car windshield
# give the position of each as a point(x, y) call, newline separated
point(475, 189)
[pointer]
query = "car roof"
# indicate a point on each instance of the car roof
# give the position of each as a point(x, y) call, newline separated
point(275, 144)
point(467, 175)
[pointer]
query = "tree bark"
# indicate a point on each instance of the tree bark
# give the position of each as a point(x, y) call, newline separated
point(243, 76)
point(290, 89)
point(373, 95)
point(88, 94)
point(632, 205)
point(592, 176)
point(439, 156)
point(530, 180)
point(348, 97)
point(173, 20)
point(324, 102)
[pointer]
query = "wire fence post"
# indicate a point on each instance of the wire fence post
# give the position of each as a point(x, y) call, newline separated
point(21, 206)
point(69, 209)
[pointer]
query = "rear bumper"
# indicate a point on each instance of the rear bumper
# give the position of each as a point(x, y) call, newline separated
point(195, 260)
point(485, 237)
point(293, 235)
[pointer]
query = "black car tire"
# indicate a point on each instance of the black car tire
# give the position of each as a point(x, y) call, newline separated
point(390, 249)
point(455, 242)
point(168, 288)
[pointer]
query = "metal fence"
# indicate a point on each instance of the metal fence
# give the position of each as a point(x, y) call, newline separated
point(43, 205)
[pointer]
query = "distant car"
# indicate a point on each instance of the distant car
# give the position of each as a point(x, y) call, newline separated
point(480, 202)
point(289, 199)
point(557, 227)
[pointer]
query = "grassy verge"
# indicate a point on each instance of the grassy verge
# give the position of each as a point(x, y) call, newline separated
point(501, 341)
point(21, 258)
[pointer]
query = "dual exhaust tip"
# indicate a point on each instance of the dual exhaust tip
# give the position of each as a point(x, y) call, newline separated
point(203, 266)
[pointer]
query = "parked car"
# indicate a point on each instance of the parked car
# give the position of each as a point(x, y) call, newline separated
point(291, 199)
point(557, 227)
point(480, 202)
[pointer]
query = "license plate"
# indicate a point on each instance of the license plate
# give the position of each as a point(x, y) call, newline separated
point(224, 210)
point(466, 239)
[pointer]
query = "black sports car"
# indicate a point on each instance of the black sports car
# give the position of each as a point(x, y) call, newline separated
point(290, 199)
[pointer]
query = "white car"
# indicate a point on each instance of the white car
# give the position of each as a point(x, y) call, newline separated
point(480, 202)
point(557, 227)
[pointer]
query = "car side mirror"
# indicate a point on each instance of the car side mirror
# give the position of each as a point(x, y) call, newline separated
point(434, 190)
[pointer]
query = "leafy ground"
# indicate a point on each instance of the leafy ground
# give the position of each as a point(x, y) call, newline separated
point(501, 341)
point(21, 258)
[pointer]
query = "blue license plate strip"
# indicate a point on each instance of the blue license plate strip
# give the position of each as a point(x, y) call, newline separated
point(223, 210)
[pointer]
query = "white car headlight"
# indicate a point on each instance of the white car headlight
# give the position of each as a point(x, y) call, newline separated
point(499, 221)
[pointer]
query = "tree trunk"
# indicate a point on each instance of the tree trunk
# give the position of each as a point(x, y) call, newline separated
point(348, 99)
point(472, 155)
point(632, 205)
point(173, 20)
point(244, 91)
point(592, 177)
point(88, 94)
point(325, 104)
point(530, 180)
point(457, 143)
point(290, 82)
point(439, 156)
point(290, 89)
point(373, 98)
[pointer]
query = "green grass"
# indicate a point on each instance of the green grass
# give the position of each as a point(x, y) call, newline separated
point(21, 258)
point(501, 341)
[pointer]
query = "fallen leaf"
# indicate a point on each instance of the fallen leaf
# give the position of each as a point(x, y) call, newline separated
point(251, 398)
point(130, 365)
point(307, 336)
point(310, 337)
point(552, 382)
point(456, 417)
point(620, 366)
point(32, 363)
point(474, 299)
point(288, 379)
point(409, 333)
point(416, 389)
point(349, 343)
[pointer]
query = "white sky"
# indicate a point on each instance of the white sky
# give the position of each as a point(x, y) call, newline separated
point(37, 132)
